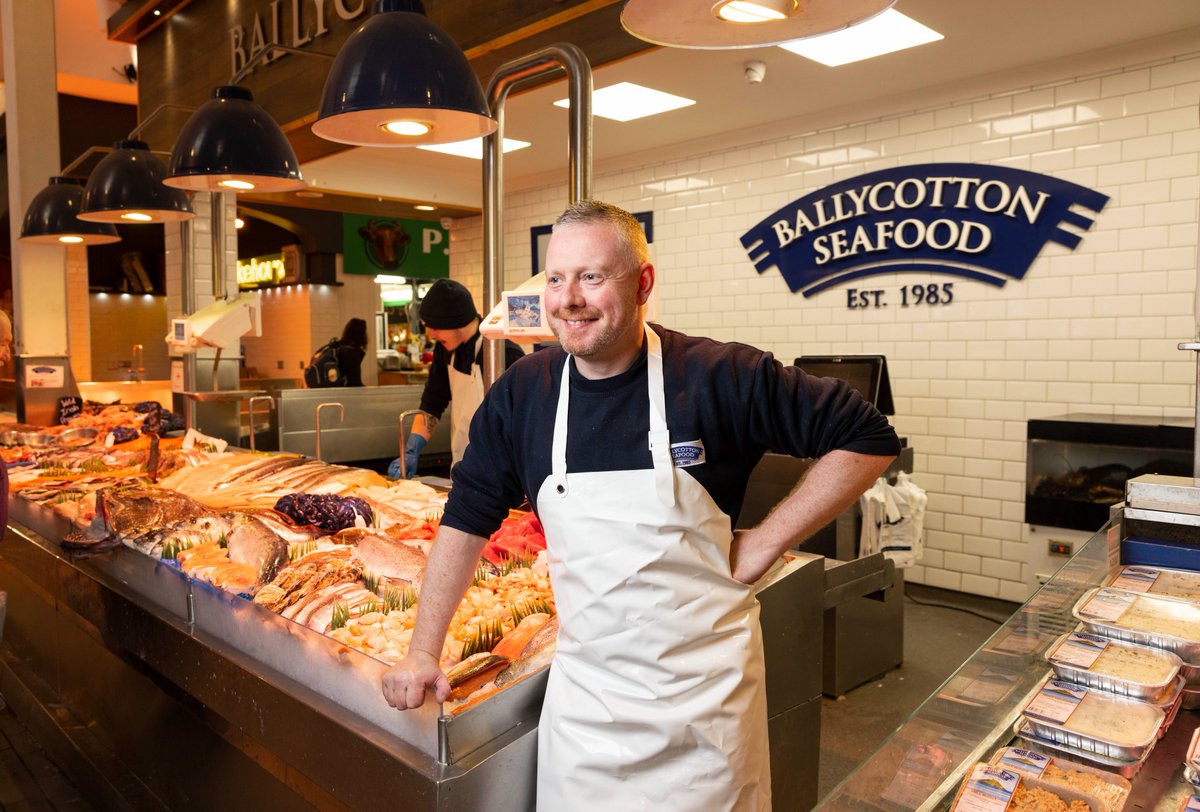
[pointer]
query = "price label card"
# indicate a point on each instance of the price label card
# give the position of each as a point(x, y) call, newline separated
point(1135, 579)
point(1107, 605)
point(1193, 751)
point(1080, 650)
point(69, 407)
point(989, 687)
point(45, 376)
point(1022, 640)
point(1024, 761)
point(1055, 702)
point(988, 789)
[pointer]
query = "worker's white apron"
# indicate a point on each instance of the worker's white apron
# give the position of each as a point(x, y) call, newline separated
point(656, 697)
point(466, 393)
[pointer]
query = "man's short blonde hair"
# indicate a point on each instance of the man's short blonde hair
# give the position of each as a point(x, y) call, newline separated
point(629, 230)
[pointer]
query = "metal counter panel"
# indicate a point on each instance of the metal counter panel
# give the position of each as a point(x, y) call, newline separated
point(369, 431)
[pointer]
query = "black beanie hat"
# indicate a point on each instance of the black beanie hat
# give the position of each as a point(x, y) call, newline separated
point(447, 306)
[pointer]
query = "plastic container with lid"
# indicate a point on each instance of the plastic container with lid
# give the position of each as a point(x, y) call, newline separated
point(1146, 620)
point(1158, 581)
point(1094, 721)
point(1124, 767)
point(1107, 787)
point(1138, 672)
point(989, 788)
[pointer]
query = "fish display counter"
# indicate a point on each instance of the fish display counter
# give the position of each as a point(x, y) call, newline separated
point(154, 679)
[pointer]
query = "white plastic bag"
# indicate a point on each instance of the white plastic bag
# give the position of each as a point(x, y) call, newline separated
point(893, 520)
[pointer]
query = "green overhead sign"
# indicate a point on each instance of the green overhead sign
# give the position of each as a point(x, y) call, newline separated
point(381, 245)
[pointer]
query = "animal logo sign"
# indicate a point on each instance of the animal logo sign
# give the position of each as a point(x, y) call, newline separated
point(386, 243)
point(391, 245)
point(975, 221)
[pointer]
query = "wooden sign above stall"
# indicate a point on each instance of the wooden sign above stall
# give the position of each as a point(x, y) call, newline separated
point(186, 48)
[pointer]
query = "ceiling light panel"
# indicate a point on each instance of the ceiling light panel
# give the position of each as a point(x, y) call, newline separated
point(888, 32)
point(626, 101)
point(472, 148)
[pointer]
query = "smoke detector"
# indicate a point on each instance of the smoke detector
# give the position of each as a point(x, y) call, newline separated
point(756, 71)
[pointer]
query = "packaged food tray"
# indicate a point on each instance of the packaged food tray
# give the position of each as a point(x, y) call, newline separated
point(1107, 787)
point(1126, 768)
point(1161, 581)
point(1138, 672)
point(995, 781)
point(1093, 721)
point(1145, 620)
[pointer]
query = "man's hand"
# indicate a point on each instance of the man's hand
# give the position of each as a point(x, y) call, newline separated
point(830, 486)
point(405, 683)
point(412, 455)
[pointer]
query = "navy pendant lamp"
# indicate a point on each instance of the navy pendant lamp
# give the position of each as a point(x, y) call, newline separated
point(231, 144)
point(52, 218)
point(400, 80)
point(127, 187)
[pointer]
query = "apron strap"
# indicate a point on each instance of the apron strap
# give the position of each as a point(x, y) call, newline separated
point(558, 450)
point(659, 437)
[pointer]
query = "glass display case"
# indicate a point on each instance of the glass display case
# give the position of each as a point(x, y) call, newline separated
point(1077, 464)
point(972, 715)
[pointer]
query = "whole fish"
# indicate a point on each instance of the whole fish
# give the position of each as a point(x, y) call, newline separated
point(538, 652)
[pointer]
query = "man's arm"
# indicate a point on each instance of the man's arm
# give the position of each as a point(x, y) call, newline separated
point(829, 487)
point(424, 424)
point(451, 566)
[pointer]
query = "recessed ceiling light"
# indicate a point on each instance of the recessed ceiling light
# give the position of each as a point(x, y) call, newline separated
point(424, 207)
point(472, 148)
point(239, 223)
point(408, 127)
point(883, 34)
point(748, 11)
point(626, 101)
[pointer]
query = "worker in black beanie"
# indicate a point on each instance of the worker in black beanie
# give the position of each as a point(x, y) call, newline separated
point(455, 376)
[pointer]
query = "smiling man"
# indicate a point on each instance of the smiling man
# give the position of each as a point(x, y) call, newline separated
point(635, 443)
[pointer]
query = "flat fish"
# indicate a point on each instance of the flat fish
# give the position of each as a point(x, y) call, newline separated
point(386, 557)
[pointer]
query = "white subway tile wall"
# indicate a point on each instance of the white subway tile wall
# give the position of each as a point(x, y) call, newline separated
point(1094, 329)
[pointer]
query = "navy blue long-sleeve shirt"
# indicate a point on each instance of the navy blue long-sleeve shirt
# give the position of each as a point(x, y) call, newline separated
point(735, 399)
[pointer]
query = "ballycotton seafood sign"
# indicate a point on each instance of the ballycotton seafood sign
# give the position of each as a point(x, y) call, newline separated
point(980, 222)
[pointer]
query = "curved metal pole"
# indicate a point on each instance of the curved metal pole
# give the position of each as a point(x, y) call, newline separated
point(341, 419)
point(270, 401)
point(403, 416)
point(562, 56)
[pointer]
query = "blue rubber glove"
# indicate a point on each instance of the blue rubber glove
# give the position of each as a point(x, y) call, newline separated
point(412, 453)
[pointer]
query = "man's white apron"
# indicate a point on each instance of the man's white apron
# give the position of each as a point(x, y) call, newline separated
point(656, 697)
point(466, 393)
